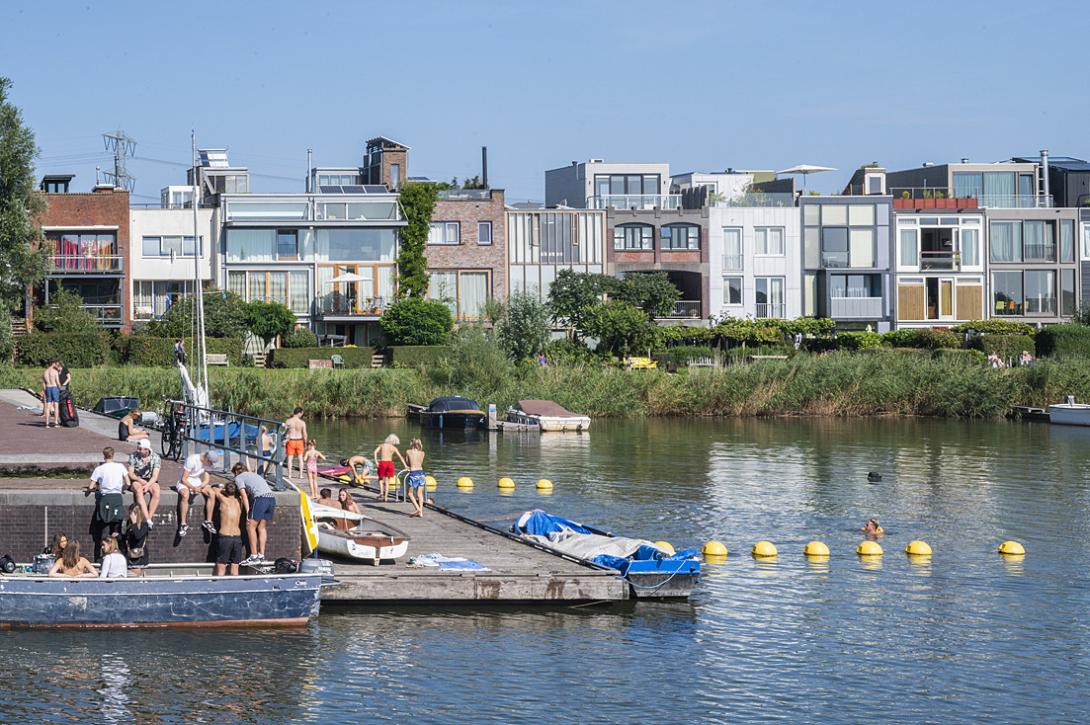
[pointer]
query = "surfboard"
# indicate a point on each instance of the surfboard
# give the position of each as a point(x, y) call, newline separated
point(310, 528)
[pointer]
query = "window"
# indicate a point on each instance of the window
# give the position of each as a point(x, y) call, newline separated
point(834, 247)
point(680, 236)
point(83, 252)
point(811, 213)
point(874, 184)
point(732, 249)
point(1067, 292)
point(832, 214)
point(287, 244)
point(861, 215)
point(633, 236)
point(165, 246)
point(732, 290)
point(970, 247)
point(862, 248)
point(1067, 240)
point(1040, 243)
point(445, 233)
point(1040, 292)
point(769, 297)
point(484, 232)
point(1086, 241)
point(631, 184)
point(1006, 242)
point(909, 251)
point(154, 298)
point(338, 179)
point(465, 292)
point(768, 241)
point(1007, 292)
point(395, 176)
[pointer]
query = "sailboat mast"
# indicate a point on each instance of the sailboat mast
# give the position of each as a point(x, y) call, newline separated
point(200, 356)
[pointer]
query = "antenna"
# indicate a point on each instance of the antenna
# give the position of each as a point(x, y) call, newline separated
point(122, 146)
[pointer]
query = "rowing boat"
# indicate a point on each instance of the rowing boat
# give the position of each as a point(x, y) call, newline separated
point(356, 536)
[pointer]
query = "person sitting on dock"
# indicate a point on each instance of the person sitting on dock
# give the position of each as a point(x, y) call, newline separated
point(108, 481)
point(346, 502)
point(384, 454)
point(113, 564)
point(295, 438)
point(229, 538)
point(356, 463)
point(193, 480)
point(128, 427)
point(72, 563)
point(872, 530)
point(144, 467)
point(55, 549)
point(259, 502)
point(416, 480)
point(325, 498)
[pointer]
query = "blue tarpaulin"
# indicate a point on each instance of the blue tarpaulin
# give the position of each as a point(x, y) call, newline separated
point(649, 559)
point(540, 523)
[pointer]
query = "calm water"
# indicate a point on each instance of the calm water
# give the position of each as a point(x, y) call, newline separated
point(964, 638)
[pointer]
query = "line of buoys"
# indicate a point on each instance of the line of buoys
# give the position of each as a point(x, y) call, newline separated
point(666, 547)
point(714, 548)
point(869, 549)
point(430, 484)
point(816, 550)
point(544, 484)
point(764, 550)
point(1012, 548)
point(465, 482)
point(505, 483)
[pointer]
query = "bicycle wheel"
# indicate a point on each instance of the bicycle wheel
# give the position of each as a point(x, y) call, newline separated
point(166, 436)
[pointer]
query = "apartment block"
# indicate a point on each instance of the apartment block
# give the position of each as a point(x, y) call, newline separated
point(467, 250)
point(167, 264)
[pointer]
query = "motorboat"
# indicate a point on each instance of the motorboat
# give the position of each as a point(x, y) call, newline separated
point(1069, 413)
point(357, 536)
point(167, 595)
point(548, 416)
point(118, 406)
point(450, 412)
point(650, 572)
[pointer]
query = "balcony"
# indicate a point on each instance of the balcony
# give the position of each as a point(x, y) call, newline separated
point(732, 262)
point(940, 261)
point(757, 198)
point(771, 310)
point(684, 310)
point(856, 307)
point(635, 201)
point(86, 264)
point(336, 304)
point(915, 197)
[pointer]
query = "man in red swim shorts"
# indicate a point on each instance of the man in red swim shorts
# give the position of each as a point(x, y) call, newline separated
point(295, 437)
point(384, 454)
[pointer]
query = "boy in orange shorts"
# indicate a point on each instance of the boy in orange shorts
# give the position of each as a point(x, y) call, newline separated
point(295, 438)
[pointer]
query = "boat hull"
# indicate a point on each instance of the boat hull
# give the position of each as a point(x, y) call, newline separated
point(441, 421)
point(551, 423)
point(1069, 414)
point(154, 601)
point(335, 543)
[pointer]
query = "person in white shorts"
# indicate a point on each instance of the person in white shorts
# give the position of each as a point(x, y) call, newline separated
point(194, 480)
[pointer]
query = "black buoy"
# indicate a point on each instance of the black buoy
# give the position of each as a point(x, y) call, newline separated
point(874, 476)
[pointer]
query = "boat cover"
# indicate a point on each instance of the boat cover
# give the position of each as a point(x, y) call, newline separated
point(454, 404)
point(545, 408)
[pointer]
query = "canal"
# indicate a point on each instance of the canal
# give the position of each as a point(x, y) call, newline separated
point(965, 637)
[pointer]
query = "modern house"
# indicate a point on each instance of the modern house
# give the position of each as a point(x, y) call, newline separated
point(467, 250)
point(87, 239)
point(595, 184)
point(541, 242)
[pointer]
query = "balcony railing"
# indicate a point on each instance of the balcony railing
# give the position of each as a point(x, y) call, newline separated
point(338, 305)
point(685, 310)
point(465, 194)
point(757, 198)
point(856, 307)
point(942, 260)
point(86, 264)
point(732, 262)
point(918, 197)
point(772, 310)
point(635, 201)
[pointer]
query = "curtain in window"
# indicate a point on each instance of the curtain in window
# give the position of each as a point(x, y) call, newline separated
point(1039, 244)
point(385, 278)
point(999, 186)
point(473, 293)
point(257, 287)
point(775, 241)
point(909, 258)
point(300, 299)
point(1006, 241)
point(968, 185)
point(236, 282)
point(1067, 240)
point(251, 245)
point(970, 247)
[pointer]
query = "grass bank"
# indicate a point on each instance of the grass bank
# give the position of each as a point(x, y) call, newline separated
point(837, 384)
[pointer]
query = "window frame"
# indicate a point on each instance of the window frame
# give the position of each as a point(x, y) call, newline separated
point(446, 226)
point(765, 233)
point(484, 225)
point(286, 257)
point(646, 237)
point(666, 234)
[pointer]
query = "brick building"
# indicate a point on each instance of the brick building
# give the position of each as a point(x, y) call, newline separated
point(467, 250)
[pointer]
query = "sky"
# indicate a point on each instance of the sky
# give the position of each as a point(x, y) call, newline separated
point(701, 85)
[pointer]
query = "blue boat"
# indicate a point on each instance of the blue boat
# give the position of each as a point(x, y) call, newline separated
point(169, 595)
point(650, 572)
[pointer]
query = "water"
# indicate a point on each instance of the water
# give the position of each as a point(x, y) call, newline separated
point(967, 637)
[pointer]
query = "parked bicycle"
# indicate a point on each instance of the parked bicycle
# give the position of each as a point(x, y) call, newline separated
point(173, 433)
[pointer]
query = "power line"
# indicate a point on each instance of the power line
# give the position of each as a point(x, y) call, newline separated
point(122, 146)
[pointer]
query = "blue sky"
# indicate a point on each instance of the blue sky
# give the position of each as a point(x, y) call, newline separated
point(702, 85)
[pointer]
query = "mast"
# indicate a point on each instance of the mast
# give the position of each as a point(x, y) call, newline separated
point(200, 353)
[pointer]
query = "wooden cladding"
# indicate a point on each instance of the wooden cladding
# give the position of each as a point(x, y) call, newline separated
point(969, 302)
point(910, 302)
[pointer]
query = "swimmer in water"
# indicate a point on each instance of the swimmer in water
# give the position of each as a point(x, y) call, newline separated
point(872, 530)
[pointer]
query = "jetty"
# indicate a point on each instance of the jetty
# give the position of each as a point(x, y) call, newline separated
point(43, 472)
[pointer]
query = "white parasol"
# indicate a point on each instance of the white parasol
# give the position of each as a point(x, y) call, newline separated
point(805, 170)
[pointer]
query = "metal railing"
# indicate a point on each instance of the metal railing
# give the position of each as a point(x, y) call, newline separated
point(635, 201)
point(235, 436)
point(773, 310)
point(686, 309)
point(86, 263)
point(940, 197)
point(940, 260)
point(106, 314)
point(757, 198)
point(339, 304)
point(732, 262)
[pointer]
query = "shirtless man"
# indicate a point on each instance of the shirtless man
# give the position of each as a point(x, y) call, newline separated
point(356, 463)
point(229, 540)
point(417, 480)
point(51, 380)
point(325, 497)
point(295, 438)
point(384, 454)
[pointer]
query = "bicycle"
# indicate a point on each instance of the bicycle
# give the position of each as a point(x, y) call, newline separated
point(174, 422)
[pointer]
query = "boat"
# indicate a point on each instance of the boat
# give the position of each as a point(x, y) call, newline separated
point(1069, 413)
point(449, 412)
point(118, 406)
point(356, 536)
point(651, 573)
point(548, 416)
point(167, 595)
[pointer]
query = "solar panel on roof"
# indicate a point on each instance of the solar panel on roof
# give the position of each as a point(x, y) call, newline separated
point(352, 189)
point(329, 189)
point(374, 189)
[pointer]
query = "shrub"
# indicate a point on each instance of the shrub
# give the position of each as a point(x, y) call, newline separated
point(224, 316)
point(858, 340)
point(1007, 347)
point(414, 321)
point(301, 337)
point(1064, 340)
point(973, 357)
point(750, 332)
point(566, 351)
point(925, 338)
point(7, 340)
point(269, 320)
point(522, 327)
point(66, 314)
point(298, 357)
point(620, 327)
point(995, 327)
point(666, 335)
point(417, 356)
point(85, 350)
point(145, 351)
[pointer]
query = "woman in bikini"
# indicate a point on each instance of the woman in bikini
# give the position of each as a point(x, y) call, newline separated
point(71, 564)
point(311, 457)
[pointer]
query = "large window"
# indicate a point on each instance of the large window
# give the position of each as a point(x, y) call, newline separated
point(970, 247)
point(769, 297)
point(1007, 292)
point(357, 245)
point(289, 288)
point(633, 236)
point(992, 188)
point(680, 236)
point(287, 244)
point(1067, 292)
point(909, 255)
point(167, 246)
point(1067, 240)
point(466, 292)
point(1040, 292)
point(861, 247)
point(855, 285)
point(732, 249)
point(732, 290)
point(1039, 242)
point(154, 298)
point(1006, 241)
point(338, 179)
point(834, 247)
point(445, 233)
point(768, 241)
point(84, 251)
point(626, 184)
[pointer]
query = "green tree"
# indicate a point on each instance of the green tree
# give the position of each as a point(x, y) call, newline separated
point(225, 315)
point(415, 321)
point(523, 329)
point(20, 264)
point(573, 294)
point(418, 201)
point(652, 292)
point(620, 327)
point(269, 320)
point(66, 313)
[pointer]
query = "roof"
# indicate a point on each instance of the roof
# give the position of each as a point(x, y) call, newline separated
point(453, 403)
point(383, 140)
point(543, 407)
point(58, 177)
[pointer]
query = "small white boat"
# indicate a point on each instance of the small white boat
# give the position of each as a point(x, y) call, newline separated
point(355, 536)
point(548, 416)
point(1069, 413)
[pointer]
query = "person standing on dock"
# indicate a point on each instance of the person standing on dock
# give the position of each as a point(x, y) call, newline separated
point(259, 502)
point(416, 479)
point(108, 481)
point(384, 454)
point(51, 381)
point(179, 351)
point(295, 438)
point(229, 538)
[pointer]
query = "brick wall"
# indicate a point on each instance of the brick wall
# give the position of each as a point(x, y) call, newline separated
point(29, 519)
point(469, 254)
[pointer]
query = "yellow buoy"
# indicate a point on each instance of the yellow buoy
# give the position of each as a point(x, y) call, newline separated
point(764, 550)
point(505, 482)
point(430, 483)
point(665, 546)
point(544, 485)
point(714, 548)
point(918, 548)
point(712, 559)
point(816, 548)
point(1011, 547)
point(464, 482)
point(869, 548)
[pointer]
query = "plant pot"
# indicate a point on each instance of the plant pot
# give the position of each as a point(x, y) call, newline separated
point(970, 202)
point(928, 203)
point(902, 203)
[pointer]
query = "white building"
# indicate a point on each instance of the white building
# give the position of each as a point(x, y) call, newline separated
point(163, 255)
point(754, 260)
point(725, 185)
point(541, 242)
point(595, 184)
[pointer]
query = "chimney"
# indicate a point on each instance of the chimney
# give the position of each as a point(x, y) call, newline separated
point(484, 166)
point(103, 189)
point(964, 160)
point(1044, 174)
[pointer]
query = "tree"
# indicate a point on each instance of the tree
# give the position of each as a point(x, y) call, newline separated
point(66, 313)
point(573, 294)
point(652, 292)
point(20, 264)
point(224, 316)
point(418, 201)
point(269, 320)
point(522, 328)
point(620, 327)
point(415, 321)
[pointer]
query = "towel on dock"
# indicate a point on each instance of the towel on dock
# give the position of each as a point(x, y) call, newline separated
point(450, 563)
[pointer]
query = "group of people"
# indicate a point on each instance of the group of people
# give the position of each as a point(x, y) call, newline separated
point(120, 553)
point(1025, 359)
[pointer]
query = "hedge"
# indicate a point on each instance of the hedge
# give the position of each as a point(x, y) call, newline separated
point(995, 327)
point(38, 349)
point(925, 338)
point(1007, 347)
point(858, 340)
point(298, 357)
point(417, 356)
point(147, 351)
point(1064, 340)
